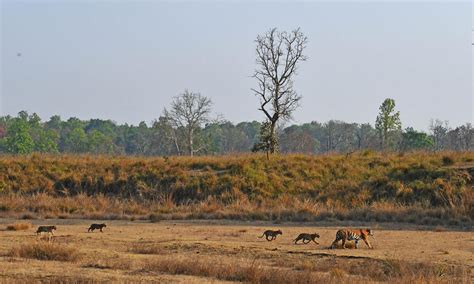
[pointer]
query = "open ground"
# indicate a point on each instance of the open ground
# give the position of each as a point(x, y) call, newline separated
point(214, 251)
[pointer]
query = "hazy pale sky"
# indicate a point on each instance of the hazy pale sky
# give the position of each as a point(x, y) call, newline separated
point(124, 60)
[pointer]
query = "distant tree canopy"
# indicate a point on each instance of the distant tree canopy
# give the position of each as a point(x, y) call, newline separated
point(388, 124)
point(27, 133)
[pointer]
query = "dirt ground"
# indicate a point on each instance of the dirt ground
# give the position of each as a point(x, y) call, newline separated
point(116, 253)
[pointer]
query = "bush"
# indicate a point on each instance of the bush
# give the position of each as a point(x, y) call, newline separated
point(19, 226)
point(45, 251)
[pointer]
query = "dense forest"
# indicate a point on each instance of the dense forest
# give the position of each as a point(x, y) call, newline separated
point(27, 133)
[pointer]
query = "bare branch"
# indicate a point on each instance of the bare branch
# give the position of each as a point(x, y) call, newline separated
point(189, 111)
point(278, 55)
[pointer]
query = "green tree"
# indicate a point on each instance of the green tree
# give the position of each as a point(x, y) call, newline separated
point(388, 122)
point(18, 139)
point(138, 139)
point(224, 137)
point(76, 141)
point(99, 143)
point(54, 123)
point(47, 141)
point(163, 138)
point(251, 131)
point(414, 140)
point(267, 142)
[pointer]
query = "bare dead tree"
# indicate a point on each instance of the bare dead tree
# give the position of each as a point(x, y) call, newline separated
point(188, 112)
point(278, 55)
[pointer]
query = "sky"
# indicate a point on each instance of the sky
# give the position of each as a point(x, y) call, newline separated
point(126, 60)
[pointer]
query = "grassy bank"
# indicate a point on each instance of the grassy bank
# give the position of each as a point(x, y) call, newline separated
point(428, 188)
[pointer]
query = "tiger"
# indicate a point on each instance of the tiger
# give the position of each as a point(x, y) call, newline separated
point(96, 226)
point(45, 229)
point(307, 238)
point(271, 235)
point(353, 235)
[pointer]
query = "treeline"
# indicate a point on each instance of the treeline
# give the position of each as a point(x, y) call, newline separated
point(27, 133)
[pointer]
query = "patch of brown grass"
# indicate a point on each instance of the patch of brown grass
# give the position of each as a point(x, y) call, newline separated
point(45, 251)
point(365, 186)
point(252, 273)
point(425, 272)
point(19, 226)
point(145, 249)
point(337, 273)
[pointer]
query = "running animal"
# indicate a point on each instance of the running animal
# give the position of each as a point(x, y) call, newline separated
point(45, 229)
point(307, 238)
point(271, 235)
point(96, 226)
point(352, 235)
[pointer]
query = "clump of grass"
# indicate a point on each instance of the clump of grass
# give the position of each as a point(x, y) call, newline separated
point(19, 226)
point(425, 272)
point(45, 251)
point(337, 273)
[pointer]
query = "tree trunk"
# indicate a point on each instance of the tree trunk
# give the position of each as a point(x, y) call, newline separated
point(273, 137)
point(191, 150)
point(384, 138)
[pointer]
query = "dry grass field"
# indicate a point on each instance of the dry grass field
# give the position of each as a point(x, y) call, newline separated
point(221, 251)
point(421, 188)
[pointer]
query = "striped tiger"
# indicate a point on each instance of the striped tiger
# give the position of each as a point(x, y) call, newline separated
point(352, 235)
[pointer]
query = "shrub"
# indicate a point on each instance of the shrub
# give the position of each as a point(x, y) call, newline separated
point(19, 226)
point(45, 251)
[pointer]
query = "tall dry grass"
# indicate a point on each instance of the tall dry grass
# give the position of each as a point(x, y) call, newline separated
point(266, 271)
point(250, 272)
point(415, 187)
point(284, 208)
point(45, 251)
